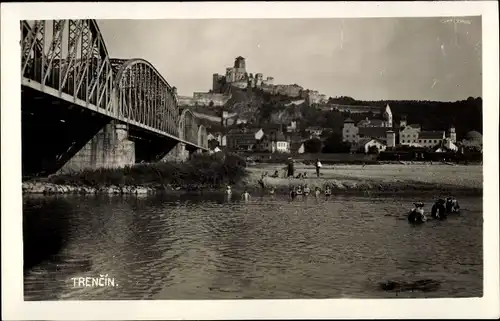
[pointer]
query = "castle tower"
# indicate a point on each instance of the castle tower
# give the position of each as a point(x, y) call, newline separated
point(215, 82)
point(239, 62)
point(391, 139)
point(452, 134)
point(387, 116)
point(349, 131)
point(230, 75)
point(258, 79)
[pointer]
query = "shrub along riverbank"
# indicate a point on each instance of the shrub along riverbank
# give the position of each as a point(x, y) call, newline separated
point(200, 172)
point(213, 172)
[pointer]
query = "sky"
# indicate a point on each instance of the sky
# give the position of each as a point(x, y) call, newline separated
point(364, 58)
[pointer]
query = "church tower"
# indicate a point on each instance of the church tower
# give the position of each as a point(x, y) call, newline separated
point(452, 134)
point(387, 116)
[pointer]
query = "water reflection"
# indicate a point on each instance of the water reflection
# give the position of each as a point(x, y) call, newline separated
point(206, 247)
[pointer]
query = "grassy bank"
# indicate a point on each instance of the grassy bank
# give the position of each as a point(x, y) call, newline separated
point(388, 178)
point(200, 172)
point(210, 172)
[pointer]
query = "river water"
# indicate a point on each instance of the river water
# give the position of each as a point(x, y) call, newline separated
point(205, 247)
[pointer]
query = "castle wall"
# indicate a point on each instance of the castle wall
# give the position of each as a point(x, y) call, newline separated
point(203, 99)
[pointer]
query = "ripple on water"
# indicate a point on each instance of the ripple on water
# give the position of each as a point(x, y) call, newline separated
point(195, 248)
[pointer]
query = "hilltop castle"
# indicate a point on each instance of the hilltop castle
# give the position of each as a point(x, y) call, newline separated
point(238, 76)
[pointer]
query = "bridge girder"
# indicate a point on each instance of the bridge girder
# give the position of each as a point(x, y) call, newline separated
point(70, 57)
point(202, 136)
point(143, 95)
point(188, 128)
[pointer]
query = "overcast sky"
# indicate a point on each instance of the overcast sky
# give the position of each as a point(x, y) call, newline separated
point(368, 59)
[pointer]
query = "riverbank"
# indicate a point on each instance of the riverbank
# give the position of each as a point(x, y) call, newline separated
point(208, 174)
point(202, 172)
point(387, 178)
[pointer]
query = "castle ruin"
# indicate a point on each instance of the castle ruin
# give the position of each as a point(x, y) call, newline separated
point(238, 76)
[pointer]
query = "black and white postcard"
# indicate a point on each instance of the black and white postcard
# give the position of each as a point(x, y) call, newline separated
point(250, 160)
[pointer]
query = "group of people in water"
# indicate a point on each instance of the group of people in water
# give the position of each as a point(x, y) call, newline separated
point(439, 211)
point(305, 190)
point(294, 191)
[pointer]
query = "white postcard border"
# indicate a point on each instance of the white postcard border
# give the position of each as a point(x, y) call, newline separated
point(14, 308)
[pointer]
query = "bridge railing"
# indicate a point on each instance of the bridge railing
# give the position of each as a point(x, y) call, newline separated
point(69, 56)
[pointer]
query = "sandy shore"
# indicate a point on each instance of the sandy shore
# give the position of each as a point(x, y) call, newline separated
point(378, 178)
point(437, 178)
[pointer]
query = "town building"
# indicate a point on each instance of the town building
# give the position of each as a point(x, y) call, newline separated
point(244, 139)
point(297, 148)
point(446, 146)
point(219, 137)
point(431, 138)
point(368, 128)
point(407, 135)
point(273, 141)
point(350, 131)
point(314, 131)
point(364, 145)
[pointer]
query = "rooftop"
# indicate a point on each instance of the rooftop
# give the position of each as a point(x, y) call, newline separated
point(431, 135)
point(364, 141)
point(374, 132)
point(370, 122)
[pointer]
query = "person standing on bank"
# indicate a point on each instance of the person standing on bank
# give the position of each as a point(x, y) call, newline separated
point(318, 166)
point(290, 167)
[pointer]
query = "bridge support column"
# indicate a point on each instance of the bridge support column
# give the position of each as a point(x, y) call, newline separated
point(178, 154)
point(110, 148)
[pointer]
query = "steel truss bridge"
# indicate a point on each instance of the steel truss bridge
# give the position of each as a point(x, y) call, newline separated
point(68, 60)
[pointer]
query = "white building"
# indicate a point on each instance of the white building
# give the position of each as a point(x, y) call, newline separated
point(365, 144)
point(446, 146)
point(387, 116)
point(282, 145)
point(408, 134)
point(431, 138)
point(298, 148)
point(274, 142)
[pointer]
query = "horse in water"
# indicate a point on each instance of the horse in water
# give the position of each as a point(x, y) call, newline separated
point(452, 205)
point(416, 215)
point(438, 210)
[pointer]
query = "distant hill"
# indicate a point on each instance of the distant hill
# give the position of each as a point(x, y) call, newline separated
point(259, 107)
point(465, 115)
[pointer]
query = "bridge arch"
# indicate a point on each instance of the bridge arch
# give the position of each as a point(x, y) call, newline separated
point(188, 128)
point(144, 96)
point(202, 136)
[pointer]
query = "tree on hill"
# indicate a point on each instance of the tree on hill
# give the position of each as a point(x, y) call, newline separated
point(213, 143)
point(334, 144)
point(313, 145)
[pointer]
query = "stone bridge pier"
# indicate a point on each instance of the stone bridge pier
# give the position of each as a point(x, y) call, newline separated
point(110, 148)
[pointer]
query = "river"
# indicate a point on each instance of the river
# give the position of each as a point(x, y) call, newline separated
point(204, 247)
